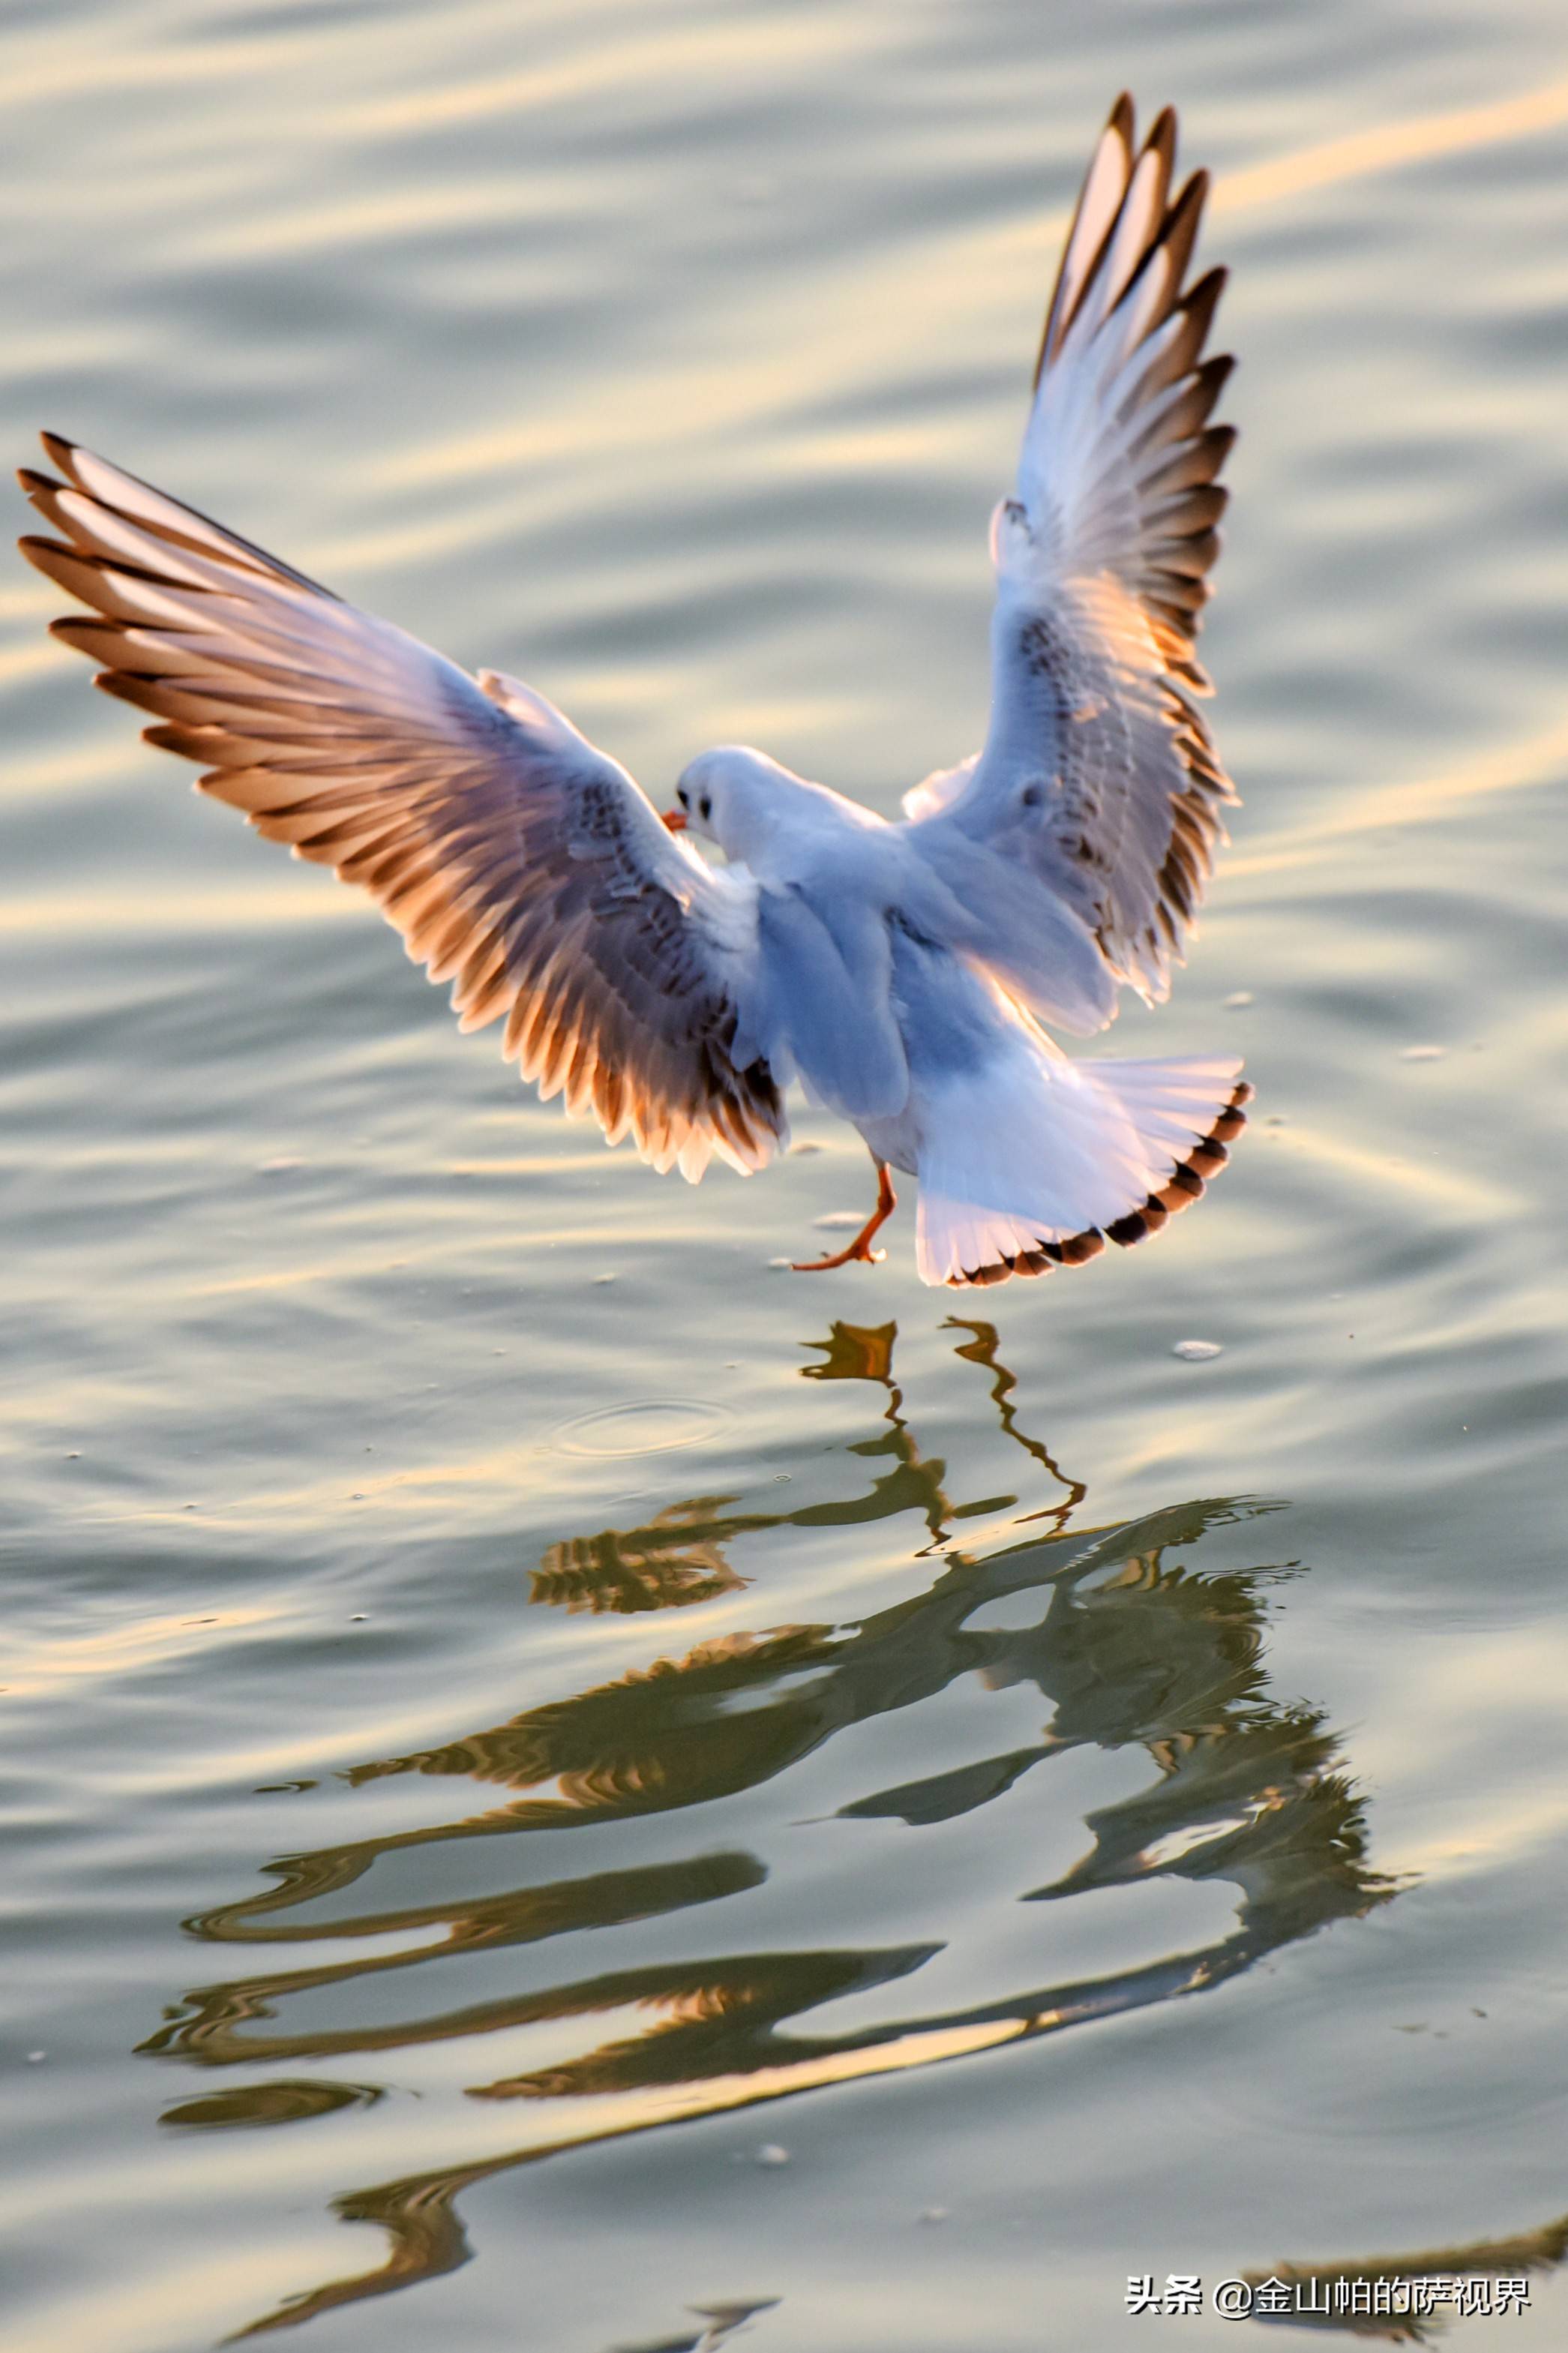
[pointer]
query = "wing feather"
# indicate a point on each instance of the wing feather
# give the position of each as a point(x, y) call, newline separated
point(518, 861)
point(1099, 775)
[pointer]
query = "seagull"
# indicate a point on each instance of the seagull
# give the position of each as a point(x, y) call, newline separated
point(903, 972)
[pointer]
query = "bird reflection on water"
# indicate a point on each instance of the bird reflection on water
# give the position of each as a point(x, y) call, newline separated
point(1127, 1644)
point(1324, 2286)
point(678, 1557)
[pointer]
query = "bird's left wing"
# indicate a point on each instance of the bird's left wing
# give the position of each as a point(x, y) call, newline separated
point(1098, 780)
point(516, 859)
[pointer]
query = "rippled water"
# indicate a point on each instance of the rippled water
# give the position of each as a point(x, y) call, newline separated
point(564, 1787)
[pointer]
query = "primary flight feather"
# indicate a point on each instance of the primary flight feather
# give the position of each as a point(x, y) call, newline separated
point(902, 971)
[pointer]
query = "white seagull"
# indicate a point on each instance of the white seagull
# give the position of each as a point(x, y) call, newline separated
point(901, 972)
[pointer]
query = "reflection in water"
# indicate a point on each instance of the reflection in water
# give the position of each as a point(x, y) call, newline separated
point(678, 1557)
point(676, 1560)
point(718, 2321)
point(1128, 1646)
point(280, 2102)
point(1354, 2286)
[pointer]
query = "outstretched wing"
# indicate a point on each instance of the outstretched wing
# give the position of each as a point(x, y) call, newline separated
point(1098, 776)
point(516, 859)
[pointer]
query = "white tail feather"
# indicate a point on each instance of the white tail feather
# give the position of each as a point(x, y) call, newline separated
point(1051, 1150)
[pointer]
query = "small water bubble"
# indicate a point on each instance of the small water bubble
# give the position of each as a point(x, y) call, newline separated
point(36, 2058)
point(835, 1220)
point(1238, 998)
point(284, 1166)
point(933, 2213)
point(771, 2153)
point(1423, 1053)
point(1196, 1352)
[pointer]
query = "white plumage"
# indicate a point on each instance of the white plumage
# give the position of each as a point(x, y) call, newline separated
point(900, 973)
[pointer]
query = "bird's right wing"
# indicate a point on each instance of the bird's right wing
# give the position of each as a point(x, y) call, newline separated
point(1099, 782)
point(515, 859)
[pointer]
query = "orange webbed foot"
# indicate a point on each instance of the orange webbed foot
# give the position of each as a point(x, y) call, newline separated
point(859, 1250)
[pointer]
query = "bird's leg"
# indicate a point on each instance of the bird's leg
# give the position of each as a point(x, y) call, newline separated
point(861, 1248)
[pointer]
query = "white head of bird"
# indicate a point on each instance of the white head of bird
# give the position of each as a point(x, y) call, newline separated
point(749, 806)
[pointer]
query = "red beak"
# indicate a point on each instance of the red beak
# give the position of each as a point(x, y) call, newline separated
point(676, 820)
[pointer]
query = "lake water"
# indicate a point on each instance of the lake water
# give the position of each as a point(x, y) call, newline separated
point(562, 1787)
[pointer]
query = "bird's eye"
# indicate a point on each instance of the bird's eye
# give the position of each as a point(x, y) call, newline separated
point(683, 796)
point(705, 809)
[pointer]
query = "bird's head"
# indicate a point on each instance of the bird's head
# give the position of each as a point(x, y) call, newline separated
point(730, 797)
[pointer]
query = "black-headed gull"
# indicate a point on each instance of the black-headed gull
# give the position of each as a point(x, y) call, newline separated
point(899, 971)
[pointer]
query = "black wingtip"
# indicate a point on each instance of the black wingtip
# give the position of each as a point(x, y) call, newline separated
point(1162, 135)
